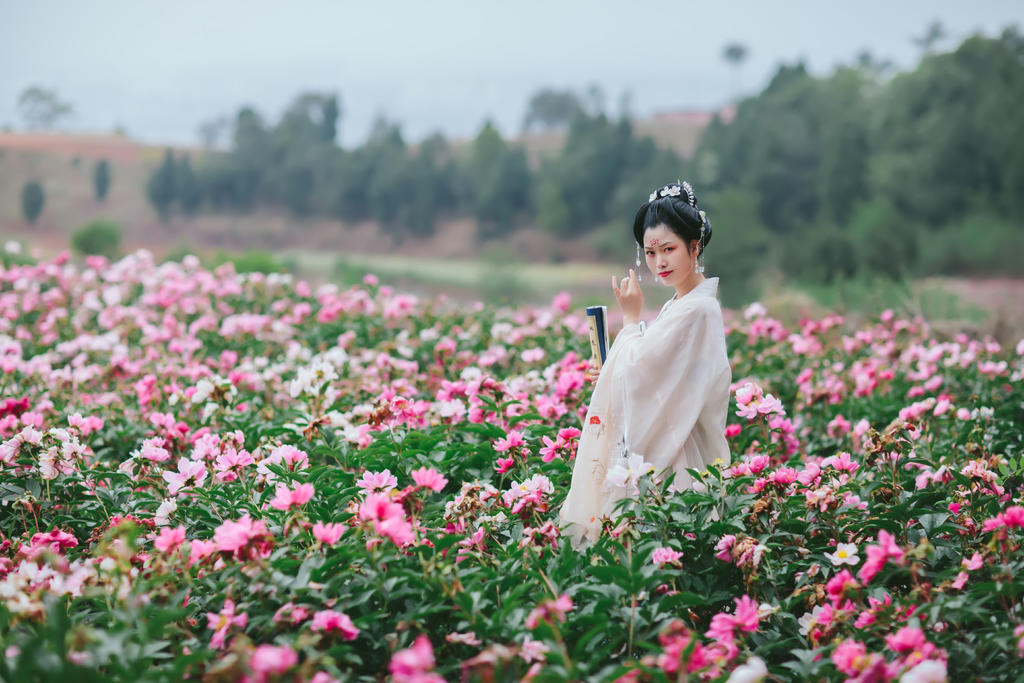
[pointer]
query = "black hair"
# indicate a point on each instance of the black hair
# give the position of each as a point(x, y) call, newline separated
point(673, 205)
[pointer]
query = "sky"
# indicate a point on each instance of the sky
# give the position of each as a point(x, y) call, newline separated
point(160, 69)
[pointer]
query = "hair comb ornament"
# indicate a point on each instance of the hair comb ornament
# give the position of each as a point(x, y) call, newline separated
point(689, 194)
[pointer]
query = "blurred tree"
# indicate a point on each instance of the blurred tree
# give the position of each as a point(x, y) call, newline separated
point(32, 200)
point(161, 188)
point(188, 191)
point(42, 108)
point(330, 113)
point(211, 132)
point(945, 143)
point(101, 180)
point(550, 109)
point(735, 54)
point(932, 36)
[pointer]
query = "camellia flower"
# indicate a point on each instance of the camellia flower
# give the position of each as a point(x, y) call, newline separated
point(846, 553)
point(189, 473)
point(377, 482)
point(878, 555)
point(662, 556)
point(270, 660)
point(286, 498)
point(549, 610)
point(221, 621)
point(330, 621)
point(429, 478)
point(169, 539)
point(850, 657)
point(414, 664)
point(328, 534)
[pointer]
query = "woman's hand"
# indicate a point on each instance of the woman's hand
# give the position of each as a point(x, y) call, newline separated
point(630, 297)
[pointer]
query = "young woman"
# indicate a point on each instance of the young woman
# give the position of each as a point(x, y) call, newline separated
point(660, 401)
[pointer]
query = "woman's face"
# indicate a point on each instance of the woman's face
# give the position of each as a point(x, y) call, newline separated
point(667, 256)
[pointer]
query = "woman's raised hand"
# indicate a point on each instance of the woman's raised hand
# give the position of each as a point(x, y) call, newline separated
point(630, 297)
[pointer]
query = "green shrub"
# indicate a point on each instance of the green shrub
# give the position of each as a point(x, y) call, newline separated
point(978, 245)
point(251, 261)
point(101, 237)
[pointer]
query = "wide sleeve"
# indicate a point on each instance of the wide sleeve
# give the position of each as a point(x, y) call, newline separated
point(665, 377)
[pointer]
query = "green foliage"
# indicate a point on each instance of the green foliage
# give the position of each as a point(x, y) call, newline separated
point(32, 200)
point(251, 261)
point(101, 237)
point(101, 179)
point(885, 241)
point(351, 383)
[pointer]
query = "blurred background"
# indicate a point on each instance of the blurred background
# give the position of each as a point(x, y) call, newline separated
point(849, 158)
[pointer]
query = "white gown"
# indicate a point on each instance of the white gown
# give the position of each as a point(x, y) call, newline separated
point(664, 393)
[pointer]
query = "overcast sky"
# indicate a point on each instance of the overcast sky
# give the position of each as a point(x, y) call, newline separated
point(159, 69)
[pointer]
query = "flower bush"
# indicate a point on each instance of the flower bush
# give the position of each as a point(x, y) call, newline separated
point(240, 477)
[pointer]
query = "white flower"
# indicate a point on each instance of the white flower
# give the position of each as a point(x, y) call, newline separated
point(627, 471)
point(671, 191)
point(654, 195)
point(928, 671)
point(809, 620)
point(204, 388)
point(751, 672)
point(163, 513)
point(846, 553)
point(12, 247)
point(754, 310)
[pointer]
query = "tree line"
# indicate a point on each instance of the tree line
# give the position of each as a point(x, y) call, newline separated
point(860, 170)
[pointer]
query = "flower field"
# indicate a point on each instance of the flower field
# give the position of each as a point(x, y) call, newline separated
point(224, 477)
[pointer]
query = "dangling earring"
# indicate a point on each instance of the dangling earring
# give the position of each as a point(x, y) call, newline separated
point(638, 277)
point(698, 263)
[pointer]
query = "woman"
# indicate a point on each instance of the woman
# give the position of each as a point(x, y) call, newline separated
point(661, 399)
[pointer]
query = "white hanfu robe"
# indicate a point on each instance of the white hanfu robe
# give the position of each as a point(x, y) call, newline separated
point(662, 394)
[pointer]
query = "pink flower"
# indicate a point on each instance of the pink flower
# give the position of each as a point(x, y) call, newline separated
point(413, 664)
point(285, 498)
point(662, 556)
point(233, 536)
point(548, 610)
point(503, 465)
point(907, 639)
point(189, 472)
point(839, 584)
point(849, 657)
point(328, 620)
point(379, 506)
point(783, 476)
point(397, 529)
point(153, 450)
point(328, 534)
point(169, 539)
point(222, 621)
point(428, 477)
point(377, 482)
point(838, 427)
point(878, 555)
point(229, 464)
point(269, 660)
point(1011, 518)
point(724, 547)
point(561, 302)
point(511, 440)
point(746, 616)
